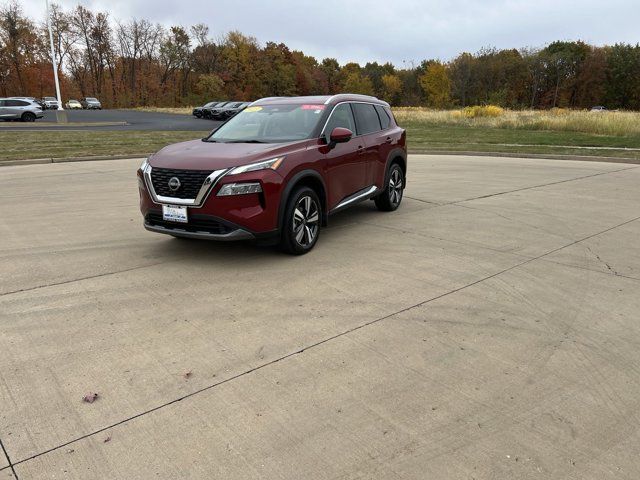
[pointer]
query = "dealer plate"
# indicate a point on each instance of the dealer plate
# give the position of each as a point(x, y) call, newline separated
point(172, 213)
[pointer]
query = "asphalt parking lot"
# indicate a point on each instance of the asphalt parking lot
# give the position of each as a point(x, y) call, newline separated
point(488, 329)
point(134, 119)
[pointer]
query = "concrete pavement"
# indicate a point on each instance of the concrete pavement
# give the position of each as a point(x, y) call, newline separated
point(487, 329)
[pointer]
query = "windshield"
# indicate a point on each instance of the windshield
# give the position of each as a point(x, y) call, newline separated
point(91, 99)
point(51, 99)
point(270, 124)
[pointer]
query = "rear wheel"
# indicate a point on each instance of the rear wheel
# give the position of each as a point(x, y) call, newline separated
point(28, 117)
point(391, 197)
point(301, 226)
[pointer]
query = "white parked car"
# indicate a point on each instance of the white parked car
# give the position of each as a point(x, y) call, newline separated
point(73, 105)
point(50, 103)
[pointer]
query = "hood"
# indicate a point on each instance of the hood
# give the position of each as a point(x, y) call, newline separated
point(199, 155)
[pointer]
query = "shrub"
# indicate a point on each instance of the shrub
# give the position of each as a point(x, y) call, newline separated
point(478, 111)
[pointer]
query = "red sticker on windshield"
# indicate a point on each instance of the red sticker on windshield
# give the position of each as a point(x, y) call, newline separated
point(312, 107)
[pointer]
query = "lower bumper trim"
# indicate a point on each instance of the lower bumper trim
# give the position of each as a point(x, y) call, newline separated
point(238, 234)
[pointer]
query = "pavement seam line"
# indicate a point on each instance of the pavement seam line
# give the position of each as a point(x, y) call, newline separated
point(11, 465)
point(65, 282)
point(316, 344)
point(522, 189)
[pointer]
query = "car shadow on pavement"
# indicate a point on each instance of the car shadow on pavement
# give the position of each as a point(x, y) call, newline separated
point(168, 248)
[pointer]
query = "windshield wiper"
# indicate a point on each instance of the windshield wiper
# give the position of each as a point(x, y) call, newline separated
point(246, 141)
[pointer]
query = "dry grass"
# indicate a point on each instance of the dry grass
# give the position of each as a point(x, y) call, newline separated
point(598, 123)
point(176, 110)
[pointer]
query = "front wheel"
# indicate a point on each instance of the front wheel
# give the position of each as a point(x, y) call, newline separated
point(301, 226)
point(390, 198)
point(28, 117)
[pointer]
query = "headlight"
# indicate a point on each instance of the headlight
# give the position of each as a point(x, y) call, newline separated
point(239, 189)
point(273, 164)
point(143, 167)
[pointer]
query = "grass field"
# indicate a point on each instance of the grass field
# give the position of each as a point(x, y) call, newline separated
point(555, 132)
point(18, 145)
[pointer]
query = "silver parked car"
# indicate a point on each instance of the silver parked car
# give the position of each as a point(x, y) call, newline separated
point(19, 109)
point(91, 103)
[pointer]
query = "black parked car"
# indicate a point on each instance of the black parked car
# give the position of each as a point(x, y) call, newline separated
point(207, 112)
point(230, 110)
point(197, 112)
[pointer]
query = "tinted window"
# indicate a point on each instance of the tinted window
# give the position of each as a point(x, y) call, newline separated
point(2, 103)
point(341, 117)
point(366, 118)
point(385, 121)
point(15, 103)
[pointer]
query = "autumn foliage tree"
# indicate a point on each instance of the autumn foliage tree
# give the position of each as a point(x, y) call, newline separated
point(136, 62)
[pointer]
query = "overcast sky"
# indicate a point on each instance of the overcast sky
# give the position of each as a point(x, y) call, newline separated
point(392, 30)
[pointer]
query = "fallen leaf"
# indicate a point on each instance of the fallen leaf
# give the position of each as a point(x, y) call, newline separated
point(106, 440)
point(90, 397)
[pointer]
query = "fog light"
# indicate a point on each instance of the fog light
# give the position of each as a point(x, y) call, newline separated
point(239, 189)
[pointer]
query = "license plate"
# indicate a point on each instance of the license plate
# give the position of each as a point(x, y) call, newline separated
point(174, 214)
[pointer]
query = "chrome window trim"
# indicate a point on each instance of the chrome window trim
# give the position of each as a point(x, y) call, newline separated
point(323, 133)
point(202, 196)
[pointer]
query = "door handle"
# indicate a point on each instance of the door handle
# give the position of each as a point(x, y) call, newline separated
point(388, 140)
point(360, 149)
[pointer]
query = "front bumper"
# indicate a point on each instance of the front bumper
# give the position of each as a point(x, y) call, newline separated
point(201, 233)
point(236, 217)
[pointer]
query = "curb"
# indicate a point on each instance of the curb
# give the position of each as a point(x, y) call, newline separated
point(581, 158)
point(55, 126)
point(39, 161)
point(542, 156)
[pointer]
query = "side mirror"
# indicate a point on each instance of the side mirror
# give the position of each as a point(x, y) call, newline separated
point(340, 135)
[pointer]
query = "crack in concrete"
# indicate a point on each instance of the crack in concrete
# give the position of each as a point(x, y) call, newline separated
point(316, 344)
point(609, 267)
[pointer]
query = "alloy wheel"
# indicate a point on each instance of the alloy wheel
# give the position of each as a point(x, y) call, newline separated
point(306, 221)
point(395, 186)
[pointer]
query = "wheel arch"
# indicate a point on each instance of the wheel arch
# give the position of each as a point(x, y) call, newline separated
point(308, 178)
point(399, 156)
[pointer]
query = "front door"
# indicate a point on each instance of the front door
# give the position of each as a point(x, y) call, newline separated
point(346, 163)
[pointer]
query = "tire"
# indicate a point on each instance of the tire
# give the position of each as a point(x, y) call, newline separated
point(301, 225)
point(390, 199)
point(28, 117)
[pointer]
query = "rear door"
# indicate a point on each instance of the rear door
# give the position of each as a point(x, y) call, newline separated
point(368, 125)
point(4, 111)
point(345, 165)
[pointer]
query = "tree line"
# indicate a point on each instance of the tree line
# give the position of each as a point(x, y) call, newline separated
point(140, 63)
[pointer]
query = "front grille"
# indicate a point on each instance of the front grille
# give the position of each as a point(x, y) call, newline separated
point(190, 182)
point(197, 223)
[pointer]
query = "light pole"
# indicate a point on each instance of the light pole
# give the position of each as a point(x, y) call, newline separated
point(53, 59)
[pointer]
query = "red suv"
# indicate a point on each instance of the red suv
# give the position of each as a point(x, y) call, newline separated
point(276, 171)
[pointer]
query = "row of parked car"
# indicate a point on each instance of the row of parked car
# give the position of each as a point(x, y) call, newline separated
point(28, 109)
point(219, 110)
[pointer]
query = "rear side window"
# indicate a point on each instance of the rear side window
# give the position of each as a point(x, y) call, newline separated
point(15, 103)
point(341, 116)
point(366, 118)
point(2, 103)
point(385, 121)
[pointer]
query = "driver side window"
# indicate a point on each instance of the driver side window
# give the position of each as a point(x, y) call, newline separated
point(342, 116)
